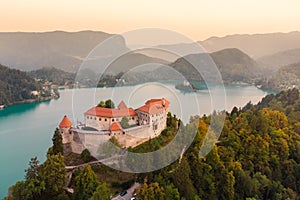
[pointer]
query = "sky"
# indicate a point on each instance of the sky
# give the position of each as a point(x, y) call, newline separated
point(196, 19)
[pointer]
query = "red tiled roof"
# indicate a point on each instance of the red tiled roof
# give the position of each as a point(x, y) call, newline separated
point(151, 109)
point(121, 111)
point(116, 126)
point(122, 105)
point(65, 123)
point(163, 102)
point(154, 106)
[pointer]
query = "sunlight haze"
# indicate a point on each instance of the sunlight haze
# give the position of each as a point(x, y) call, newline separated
point(194, 18)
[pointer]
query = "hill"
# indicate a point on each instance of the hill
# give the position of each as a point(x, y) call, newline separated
point(275, 61)
point(53, 75)
point(134, 62)
point(256, 45)
point(286, 77)
point(63, 50)
point(234, 66)
point(16, 87)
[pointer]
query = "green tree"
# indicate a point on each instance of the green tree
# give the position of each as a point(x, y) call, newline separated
point(226, 186)
point(101, 104)
point(109, 104)
point(171, 192)
point(32, 187)
point(150, 192)
point(57, 142)
point(85, 155)
point(32, 170)
point(181, 179)
point(125, 122)
point(53, 173)
point(86, 184)
point(102, 193)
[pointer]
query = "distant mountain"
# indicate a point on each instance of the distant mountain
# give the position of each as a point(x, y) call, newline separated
point(277, 60)
point(63, 50)
point(286, 77)
point(53, 75)
point(256, 45)
point(17, 87)
point(134, 62)
point(234, 66)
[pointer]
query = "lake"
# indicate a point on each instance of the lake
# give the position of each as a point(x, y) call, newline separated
point(26, 130)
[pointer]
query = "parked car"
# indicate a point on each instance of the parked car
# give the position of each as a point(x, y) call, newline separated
point(123, 193)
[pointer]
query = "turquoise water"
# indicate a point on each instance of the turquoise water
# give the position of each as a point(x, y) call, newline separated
point(26, 130)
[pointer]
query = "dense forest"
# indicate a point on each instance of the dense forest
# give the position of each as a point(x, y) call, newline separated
point(16, 86)
point(257, 157)
point(286, 77)
point(53, 75)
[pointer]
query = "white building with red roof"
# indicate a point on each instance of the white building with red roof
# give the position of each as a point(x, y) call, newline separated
point(103, 118)
point(145, 122)
point(154, 113)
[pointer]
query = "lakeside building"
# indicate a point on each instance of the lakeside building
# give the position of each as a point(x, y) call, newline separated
point(153, 113)
point(144, 122)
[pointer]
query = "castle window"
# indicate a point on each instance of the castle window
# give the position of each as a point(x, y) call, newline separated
point(117, 119)
point(132, 118)
point(105, 119)
point(113, 119)
point(99, 118)
point(95, 118)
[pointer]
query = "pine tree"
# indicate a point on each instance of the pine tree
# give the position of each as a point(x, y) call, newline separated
point(57, 142)
point(102, 193)
point(32, 170)
point(53, 173)
point(86, 184)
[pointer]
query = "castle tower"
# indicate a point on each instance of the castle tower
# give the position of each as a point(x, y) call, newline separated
point(65, 126)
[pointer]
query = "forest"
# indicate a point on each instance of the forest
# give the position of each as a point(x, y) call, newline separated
point(257, 157)
point(53, 75)
point(16, 86)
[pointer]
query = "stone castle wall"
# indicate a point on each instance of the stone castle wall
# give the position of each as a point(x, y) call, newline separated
point(77, 140)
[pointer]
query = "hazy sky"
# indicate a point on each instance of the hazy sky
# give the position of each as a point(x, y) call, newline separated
point(195, 18)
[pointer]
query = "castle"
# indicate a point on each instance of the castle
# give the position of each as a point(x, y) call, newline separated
point(101, 124)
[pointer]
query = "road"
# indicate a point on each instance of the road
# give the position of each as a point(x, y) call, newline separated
point(129, 193)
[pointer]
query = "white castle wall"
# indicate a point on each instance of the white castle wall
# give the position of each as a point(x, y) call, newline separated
point(103, 123)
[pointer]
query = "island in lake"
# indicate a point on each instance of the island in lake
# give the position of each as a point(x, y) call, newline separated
point(186, 86)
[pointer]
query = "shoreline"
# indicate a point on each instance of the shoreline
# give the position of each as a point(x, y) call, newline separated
point(27, 101)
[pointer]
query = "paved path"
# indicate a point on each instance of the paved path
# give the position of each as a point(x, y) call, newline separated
point(129, 193)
